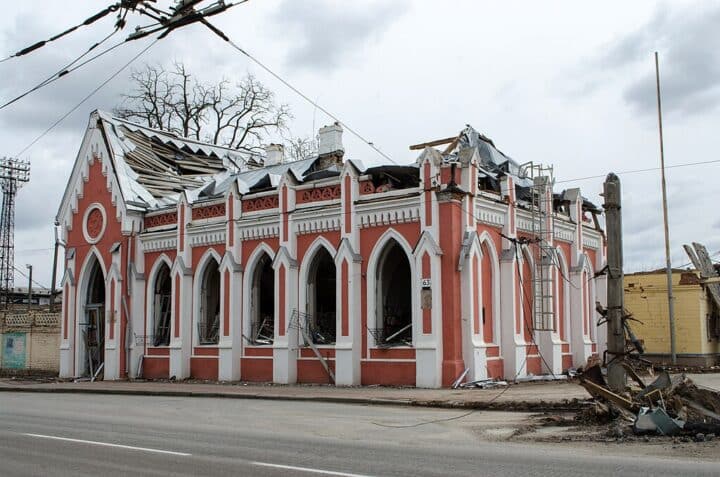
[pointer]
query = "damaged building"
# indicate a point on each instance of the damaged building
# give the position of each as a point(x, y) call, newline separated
point(187, 259)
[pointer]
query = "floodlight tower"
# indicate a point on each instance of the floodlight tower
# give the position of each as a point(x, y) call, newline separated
point(14, 173)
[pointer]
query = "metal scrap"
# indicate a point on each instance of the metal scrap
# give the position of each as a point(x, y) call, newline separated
point(670, 405)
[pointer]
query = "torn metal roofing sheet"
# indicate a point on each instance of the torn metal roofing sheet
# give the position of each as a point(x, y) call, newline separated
point(154, 167)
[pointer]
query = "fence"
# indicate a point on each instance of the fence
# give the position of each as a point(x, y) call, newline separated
point(30, 342)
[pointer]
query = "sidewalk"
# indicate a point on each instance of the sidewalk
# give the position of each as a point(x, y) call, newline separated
point(517, 397)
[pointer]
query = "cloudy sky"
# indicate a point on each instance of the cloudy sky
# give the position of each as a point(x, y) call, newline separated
point(564, 83)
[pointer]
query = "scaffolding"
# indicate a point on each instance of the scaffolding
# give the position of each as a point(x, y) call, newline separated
point(541, 247)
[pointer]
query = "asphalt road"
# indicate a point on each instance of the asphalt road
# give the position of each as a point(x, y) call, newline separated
point(85, 434)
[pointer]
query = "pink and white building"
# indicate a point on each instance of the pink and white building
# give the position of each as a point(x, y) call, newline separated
point(190, 260)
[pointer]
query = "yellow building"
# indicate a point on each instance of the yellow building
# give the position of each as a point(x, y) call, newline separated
point(696, 319)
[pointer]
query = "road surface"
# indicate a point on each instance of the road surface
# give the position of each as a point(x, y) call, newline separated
point(86, 434)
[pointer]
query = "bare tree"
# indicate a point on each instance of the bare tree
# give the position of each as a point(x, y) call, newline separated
point(298, 148)
point(238, 116)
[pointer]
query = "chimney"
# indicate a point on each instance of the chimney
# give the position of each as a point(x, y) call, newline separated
point(274, 154)
point(331, 141)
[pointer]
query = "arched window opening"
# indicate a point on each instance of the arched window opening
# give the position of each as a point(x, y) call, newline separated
point(262, 296)
point(394, 298)
point(209, 323)
point(488, 278)
point(161, 306)
point(93, 334)
point(321, 306)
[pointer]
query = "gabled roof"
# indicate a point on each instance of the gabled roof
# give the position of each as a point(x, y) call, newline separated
point(153, 167)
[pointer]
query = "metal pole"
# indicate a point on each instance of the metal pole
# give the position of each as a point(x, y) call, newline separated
point(29, 286)
point(615, 298)
point(54, 270)
point(668, 262)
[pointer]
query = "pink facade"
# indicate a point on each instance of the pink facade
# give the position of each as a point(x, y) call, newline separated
point(397, 275)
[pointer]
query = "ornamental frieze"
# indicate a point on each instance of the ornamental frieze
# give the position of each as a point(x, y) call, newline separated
point(319, 194)
point(367, 187)
point(209, 211)
point(261, 203)
point(163, 219)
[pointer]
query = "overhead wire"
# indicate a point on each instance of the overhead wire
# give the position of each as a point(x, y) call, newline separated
point(26, 276)
point(124, 4)
point(296, 90)
point(637, 171)
point(82, 101)
point(67, 69)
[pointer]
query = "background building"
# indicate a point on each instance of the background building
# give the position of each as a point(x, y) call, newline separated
point(697, 326)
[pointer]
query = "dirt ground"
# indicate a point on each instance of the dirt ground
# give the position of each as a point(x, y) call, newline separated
point(561, 430)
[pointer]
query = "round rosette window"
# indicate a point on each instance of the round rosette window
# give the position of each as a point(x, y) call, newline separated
point(94, 223)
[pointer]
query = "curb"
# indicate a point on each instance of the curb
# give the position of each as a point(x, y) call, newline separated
point(519, 406)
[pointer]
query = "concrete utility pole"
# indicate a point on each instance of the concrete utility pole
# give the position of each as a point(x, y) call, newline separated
point(668, 262)
point(54, 269)
point(29, 285)
point(615, 299)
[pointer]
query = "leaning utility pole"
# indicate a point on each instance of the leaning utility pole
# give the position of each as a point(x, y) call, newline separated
point(668, 262)
point(615, 299)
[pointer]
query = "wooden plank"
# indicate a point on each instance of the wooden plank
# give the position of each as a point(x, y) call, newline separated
point(437, 142)
point(701, 259)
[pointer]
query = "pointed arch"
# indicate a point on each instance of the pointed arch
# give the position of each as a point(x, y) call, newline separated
point(158, 302)
point(392, 291)
point(490, 283)
point(90, 314)
point(562, 294)
point(588, 293)
point(527, 296)
point(259, 290)
point(208, 299)
point(319, 295)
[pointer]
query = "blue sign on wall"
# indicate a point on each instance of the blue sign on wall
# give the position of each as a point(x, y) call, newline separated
point(13, 349)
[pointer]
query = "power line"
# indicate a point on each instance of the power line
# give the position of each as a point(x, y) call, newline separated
point(92, 93)
point(122, 5)
point(294, 89)
point(67, 69)
point(636, 171)
point(26, 276)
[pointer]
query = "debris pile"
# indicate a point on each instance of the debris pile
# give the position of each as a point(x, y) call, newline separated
point(670, 405)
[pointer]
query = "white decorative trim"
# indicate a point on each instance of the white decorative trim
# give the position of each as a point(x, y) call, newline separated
point(160, 240)
point(564, 231)
point(317, 225)
point(258, 232)
point(590, 241)
point(86, 235)
point(208, 238)
point(389, 216)
point(524, 220)
point(490, 213)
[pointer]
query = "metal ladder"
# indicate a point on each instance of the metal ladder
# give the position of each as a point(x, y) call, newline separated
point(542, 250)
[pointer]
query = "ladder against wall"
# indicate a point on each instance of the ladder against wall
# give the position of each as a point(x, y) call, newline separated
point(541, 246)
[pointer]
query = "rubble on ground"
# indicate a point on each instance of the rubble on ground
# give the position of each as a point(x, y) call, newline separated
point(667, 406)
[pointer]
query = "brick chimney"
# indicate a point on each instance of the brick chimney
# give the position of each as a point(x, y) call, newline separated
point(274, 154)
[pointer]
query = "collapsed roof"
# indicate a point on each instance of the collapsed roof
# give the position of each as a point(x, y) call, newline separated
point(154, 167)
point(493, 165)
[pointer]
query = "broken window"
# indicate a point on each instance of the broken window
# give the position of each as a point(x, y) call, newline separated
point(94, 325)
point(161, 306)
point(209, 322)
point(394, 298)
point(321, 298)
point(262, 298)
